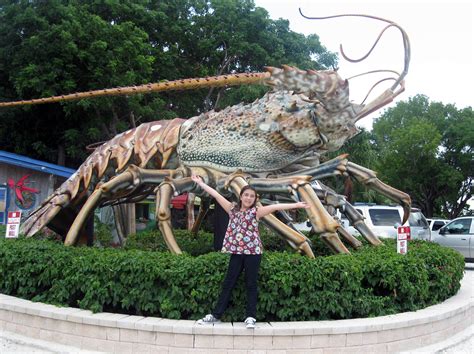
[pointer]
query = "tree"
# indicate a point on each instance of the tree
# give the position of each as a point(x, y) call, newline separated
point(425, 149)
point(361, 150)
point(55, 47)
point(50, 48)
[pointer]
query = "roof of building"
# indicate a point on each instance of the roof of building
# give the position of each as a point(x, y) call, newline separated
point(37, 165)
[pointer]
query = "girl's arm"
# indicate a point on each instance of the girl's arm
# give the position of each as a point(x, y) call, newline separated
point(268, 209)
point(224, 203)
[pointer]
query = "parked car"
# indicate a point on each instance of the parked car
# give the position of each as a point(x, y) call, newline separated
point(459, 235)
point(436, 224)
point(304, 226)
point(383, 221)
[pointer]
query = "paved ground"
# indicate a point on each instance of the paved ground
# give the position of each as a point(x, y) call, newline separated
point(462, 343)
point(466, 347)
point(14, 343)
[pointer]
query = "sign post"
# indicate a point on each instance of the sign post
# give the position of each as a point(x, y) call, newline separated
point(13, 224)
point(403, 235)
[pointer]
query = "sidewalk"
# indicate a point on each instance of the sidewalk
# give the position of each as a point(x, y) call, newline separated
point(15, 343)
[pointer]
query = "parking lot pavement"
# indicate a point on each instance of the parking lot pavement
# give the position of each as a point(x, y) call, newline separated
point(15, 343)
point(464, 347)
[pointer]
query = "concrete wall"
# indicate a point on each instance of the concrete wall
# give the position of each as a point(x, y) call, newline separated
point(117, 333)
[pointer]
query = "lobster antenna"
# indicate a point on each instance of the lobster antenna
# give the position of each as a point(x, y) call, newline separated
point(184, 84)
point(374, 85)
point(406, 42)
point(374, 72)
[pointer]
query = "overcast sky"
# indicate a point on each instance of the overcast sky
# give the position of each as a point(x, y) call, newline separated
point(440, 32)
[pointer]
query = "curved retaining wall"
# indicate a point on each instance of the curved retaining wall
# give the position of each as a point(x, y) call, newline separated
point(109, 332)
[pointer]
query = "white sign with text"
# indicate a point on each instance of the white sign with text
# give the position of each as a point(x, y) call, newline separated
point(13, 224)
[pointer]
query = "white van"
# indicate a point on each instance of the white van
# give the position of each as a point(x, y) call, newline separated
point(383, 221)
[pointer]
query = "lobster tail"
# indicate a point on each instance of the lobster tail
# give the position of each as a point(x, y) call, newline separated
point(46, 214)
point(151, 144)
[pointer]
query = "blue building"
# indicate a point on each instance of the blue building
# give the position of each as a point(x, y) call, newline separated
point(26, 182)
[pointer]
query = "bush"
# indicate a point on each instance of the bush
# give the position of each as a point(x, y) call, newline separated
point(202, 243)
point(194, 245)
point(371, 282)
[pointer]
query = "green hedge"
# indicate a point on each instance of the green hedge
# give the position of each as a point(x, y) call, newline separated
point(370, 282)
point(203, 242)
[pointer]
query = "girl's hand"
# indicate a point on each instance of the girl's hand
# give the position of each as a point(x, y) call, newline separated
point(302, 205)
point(197, 179)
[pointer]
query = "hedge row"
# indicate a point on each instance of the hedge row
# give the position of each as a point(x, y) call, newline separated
point(203, 242)
point(373, 281)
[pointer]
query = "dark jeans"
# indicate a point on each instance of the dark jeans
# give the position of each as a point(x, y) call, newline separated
point(237, 263)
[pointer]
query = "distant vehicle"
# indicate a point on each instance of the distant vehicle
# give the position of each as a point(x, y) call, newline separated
point(436, 224)
point(459, 235)
point(383, 221)
point(304, 226)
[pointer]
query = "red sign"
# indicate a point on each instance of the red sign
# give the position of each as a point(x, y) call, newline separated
point(404, 233)
point(13, 224)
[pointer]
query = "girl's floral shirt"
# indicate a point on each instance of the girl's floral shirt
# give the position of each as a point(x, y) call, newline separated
point(242, 235)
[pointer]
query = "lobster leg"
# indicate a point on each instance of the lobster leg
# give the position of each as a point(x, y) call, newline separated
point(164, 193)
point(332, 201)
point(330, 198)
point(203, 209)
point(322, 222)
point(339, 166)
point(357, 221)
point(119, 187)
point(163, 215)
point(369, 178)
point(334, 167)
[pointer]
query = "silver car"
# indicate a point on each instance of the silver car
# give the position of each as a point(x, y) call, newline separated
point(459, 235)
point(383, 221)
point(435, 225)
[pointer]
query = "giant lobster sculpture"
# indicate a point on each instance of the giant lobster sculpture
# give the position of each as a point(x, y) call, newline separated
point(273, 144)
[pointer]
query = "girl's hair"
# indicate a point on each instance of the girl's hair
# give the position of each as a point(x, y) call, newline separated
point(246, 188)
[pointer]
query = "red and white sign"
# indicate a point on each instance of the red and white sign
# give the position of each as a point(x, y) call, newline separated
point(403, 236)
point(403, 233)
point(13, 224)
point(402, 246)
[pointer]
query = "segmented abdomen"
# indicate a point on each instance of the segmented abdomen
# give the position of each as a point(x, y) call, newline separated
point(150, 145)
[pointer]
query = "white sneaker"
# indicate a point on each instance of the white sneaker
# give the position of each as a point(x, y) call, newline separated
point(208, 319)
point(250, 322)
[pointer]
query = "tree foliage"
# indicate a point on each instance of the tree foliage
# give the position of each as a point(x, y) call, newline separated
point(422, 148)
point(425, 148)
point(55, 47)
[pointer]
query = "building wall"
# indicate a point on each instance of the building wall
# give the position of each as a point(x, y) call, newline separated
point(45, 183)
